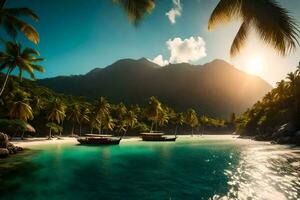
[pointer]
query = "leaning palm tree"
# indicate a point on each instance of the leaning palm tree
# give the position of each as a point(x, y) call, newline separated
point(12, 23)
point(16, 57)
point(108, 123)
point(272, 22)
point(19, 107)
point(84, 117)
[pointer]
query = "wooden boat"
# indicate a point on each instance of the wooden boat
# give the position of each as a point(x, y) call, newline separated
point(157, 137)
point(99, 140)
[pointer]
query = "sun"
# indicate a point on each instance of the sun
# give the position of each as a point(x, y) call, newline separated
point(254, 66)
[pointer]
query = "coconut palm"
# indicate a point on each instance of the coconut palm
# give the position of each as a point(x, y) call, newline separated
point(108, 123)
point(19, 107)
point(136, 9)
point(12, 23)
point(74, 115)
point(130, 119)
point(178, 121)
point(53, 127)
point(191, 119)
point(16, 57)
point(154, 108)
point(102, 108)
point(84, 117)
point(273, 23)
point(162, 118)
point(56, 112)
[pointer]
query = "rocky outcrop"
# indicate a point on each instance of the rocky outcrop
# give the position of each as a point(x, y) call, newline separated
point(286, 134)
point(3, 140)
point(7, 148)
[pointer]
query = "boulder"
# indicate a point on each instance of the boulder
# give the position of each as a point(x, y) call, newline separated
point(286, 130)
point(3, 140)
point(3, 152)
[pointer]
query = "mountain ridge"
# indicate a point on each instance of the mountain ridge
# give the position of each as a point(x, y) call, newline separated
point(215, 88)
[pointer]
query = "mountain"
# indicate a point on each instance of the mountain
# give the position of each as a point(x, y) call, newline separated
point(216, 88)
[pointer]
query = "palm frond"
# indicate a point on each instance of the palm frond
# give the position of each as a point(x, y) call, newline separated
point(273, 24)
point(28, 50)
point(136, 9)
point(225, 11)
point(27, 29)
point(239, 39)
point(22, 12)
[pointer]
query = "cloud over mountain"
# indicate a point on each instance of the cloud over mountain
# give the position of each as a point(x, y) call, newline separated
point(191, 49)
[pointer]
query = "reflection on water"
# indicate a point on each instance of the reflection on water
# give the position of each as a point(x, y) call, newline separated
point(198, 168)
point(265, 172)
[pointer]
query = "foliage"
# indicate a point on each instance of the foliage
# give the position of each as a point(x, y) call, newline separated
point(12, 126)
point(279, 106)
point(54, 127)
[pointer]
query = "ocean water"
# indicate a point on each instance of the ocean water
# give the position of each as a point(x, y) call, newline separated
point(190, 168)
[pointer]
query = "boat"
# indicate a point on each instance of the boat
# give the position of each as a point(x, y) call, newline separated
point(157, 137)
point(99, 140)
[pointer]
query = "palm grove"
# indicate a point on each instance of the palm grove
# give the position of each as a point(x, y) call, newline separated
point(22, 100)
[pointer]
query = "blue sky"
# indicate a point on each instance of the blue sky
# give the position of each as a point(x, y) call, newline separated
point(79, 35)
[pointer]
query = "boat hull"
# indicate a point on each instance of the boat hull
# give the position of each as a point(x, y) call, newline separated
point(159, 139)
point(98, 141)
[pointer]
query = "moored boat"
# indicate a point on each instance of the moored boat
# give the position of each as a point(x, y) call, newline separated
point(99, 140)
point(158, 137)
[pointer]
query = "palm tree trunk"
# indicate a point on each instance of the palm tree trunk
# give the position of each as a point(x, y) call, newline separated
point(72, 133)
point(5, 81)
point(152, 123)
point(80, 129)
point(50, 135)
point(176, 130)
point(92, 130)
point(22, 136)
point(192, 132)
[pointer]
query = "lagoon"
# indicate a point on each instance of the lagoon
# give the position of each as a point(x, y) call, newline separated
point(207, 167)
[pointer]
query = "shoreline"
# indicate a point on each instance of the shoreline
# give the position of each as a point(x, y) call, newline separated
point(69, 140)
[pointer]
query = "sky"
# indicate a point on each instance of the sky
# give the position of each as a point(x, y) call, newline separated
point(79, 35)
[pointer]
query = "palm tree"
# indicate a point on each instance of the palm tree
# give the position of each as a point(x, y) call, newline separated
point(53, 127)
point(108, 123)
point(191, 119)
point(24, 59)
point(136, 9)
point(74, 115)
point(153, 110)
point(178, 120)
point(19, 107)
point(12, 23)
point(273, 23)
point(130, 119)
point(84, 117)
point(102, 108)
point(56, 112)
point(162, 118)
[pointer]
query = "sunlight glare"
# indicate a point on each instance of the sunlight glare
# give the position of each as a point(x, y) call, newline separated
point(254, 66)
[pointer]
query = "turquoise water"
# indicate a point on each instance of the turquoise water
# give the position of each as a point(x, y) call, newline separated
point(195, 168)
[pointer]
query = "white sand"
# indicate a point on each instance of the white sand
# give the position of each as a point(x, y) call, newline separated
point(41, 141)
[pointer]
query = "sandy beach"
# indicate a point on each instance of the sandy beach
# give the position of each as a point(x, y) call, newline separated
point(41, 141)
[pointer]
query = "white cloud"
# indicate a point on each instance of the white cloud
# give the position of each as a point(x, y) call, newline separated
point(175, 11)
point(191, 49)
point(159, 60)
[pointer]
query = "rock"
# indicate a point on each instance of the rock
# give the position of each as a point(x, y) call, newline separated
point(3, 152)
point(285, 130)
point(3, 140)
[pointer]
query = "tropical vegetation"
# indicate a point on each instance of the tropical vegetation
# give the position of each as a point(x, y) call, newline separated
point(278, 107)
